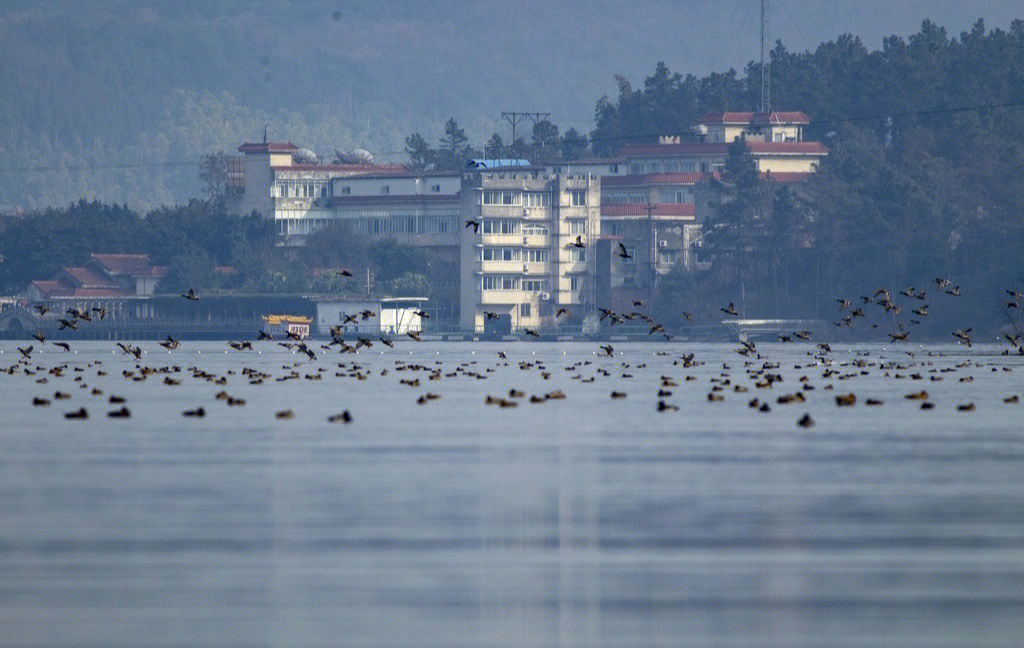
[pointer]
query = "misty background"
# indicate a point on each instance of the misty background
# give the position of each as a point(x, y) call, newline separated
point(116, 101)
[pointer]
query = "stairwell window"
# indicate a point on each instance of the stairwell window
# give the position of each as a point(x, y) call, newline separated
point(578, 255)
point(578, 197)
point(577, 227)
point(524, 310)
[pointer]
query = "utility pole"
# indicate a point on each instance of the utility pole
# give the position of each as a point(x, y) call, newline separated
point(653, 248)
point(516, 118)
point(766, 58)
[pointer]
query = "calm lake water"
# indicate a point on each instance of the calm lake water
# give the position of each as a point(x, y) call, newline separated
point(588, 521)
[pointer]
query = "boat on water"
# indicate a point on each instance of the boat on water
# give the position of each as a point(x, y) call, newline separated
point(296, 325)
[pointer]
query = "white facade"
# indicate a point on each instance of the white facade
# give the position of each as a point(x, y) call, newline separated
point(520, 262)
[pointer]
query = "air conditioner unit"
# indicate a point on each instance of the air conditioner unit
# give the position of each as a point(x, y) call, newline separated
point(544, 296)
point(524, 240)
point(662, 243)
point(525, 268)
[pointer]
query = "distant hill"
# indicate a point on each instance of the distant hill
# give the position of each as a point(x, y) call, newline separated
point(117, 100)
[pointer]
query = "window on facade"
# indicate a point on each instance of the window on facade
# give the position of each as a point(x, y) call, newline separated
point(385, 189)
point(500, 226)
point(502, 197)
point(668, 256)
point(524, 310)
point(631, 251)
point(684, 196)
point(535, 285)
point(578, 254)
point(574, 283)
point(499, 282)
point(578, 197)
point(532, 229)
point(537, 256)
point(577, 226)
point(436, 188)
point(636, 168)
point(345, 191)
point(538, 199)
point(672, 166)
point(688, 166)
point(500, 254)
point(654, 167)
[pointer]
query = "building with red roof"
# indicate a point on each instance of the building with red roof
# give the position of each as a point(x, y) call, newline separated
point(106, 276)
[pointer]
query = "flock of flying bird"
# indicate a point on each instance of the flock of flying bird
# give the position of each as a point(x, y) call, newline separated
point(759, 372)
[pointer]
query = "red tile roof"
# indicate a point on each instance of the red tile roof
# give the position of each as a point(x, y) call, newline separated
point(721, 148)
point(122, 264)
point(267, 147)
point(53, 288)
point(743, 118)
point(654, 179)
point(86, 278)
point(640, 209)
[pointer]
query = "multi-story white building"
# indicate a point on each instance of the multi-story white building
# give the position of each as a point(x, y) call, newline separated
point(529, 247)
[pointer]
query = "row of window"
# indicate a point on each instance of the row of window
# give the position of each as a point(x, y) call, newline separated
point(530, 255)
point(512, 282)
point(374, 225)
point(300, 189)
point(512, 198)
point(674, 166)
point(641, 197)
point(385, 190)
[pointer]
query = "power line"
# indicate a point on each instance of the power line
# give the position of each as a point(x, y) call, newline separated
point(592, 140)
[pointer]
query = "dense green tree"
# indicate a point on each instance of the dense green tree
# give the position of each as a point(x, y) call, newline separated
point(420, 153)
point(574, 145)
point(454, 148)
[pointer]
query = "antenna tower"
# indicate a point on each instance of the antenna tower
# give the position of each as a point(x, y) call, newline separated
point(516, 118)
point(766, 58)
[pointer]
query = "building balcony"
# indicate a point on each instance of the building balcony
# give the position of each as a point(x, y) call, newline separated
point(500, 267)
point(501, 239)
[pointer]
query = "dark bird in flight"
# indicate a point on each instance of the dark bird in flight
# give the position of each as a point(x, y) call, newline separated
point(366, 314)
point(923, 311)
point(66, 324)
point(102, 312)
point(803, 335)
point(639, 303)
point(474, 224)
point(63, 345)
point(730, 309)
point(607, 348)
point(578, 243)
point(964, 336)
point(657, 328)
point(623, 252)
point(531, 332)
point(940, 282)
point(843, 304)
point(343, 273)
point(38, 335)
point(893, 337)
point(263, 335)
point(190, 295)
point(415, 335)
point(955, 291)
point(688, 316)
point(170, 343)
point(488, 315)
point(563, 311)
point(27, 352)
point(294, 336)
point(43, 309)
point(1015, 294)
point(422, 314)
point(386, 342)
